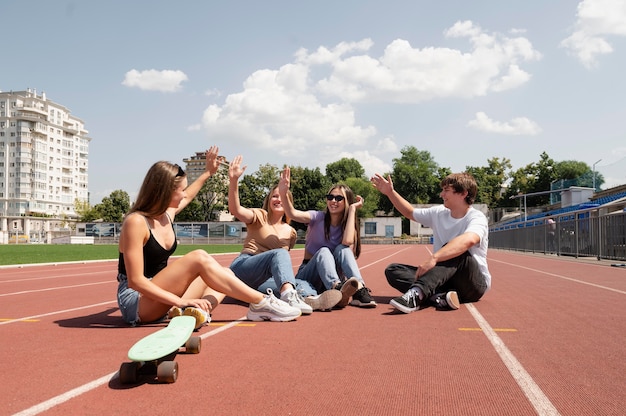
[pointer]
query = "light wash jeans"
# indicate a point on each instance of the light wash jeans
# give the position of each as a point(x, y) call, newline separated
point(255, 269)
point(326, 268)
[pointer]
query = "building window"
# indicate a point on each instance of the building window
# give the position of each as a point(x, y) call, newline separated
point(370, 228)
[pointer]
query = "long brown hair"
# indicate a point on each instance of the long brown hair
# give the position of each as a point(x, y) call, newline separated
point(349, 199)
point(268, 207)
point(157, 189)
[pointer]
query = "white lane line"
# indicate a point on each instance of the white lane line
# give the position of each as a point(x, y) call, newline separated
point(64, 275)
point(26, 318)
point(55, 401)
point(383, 258)
point(56, 288)
point(582, 282)
point(541, 403)
point(62, 398)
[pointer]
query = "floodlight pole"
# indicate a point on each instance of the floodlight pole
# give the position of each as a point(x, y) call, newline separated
point(594, 174)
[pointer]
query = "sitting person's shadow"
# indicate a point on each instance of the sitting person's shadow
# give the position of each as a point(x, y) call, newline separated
point(109, 318)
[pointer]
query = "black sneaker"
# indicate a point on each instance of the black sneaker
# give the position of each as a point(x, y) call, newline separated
point(407, 303)
point(362, 299)
point(448, 301)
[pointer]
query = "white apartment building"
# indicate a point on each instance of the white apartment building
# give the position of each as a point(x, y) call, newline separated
point(43, 157)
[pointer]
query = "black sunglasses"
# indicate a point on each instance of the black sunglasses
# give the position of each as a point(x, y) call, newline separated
point(337, 198)
point(181, 172)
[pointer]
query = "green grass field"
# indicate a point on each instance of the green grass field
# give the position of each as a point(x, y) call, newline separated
point(51, 253)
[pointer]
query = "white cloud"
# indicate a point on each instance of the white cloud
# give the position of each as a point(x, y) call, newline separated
point(153, 80)
point(278, 110)
point(517, 126)
point(408, 75)
point(596, 19)
point(306, 110)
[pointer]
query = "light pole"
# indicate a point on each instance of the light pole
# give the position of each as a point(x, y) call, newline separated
point(593, 169)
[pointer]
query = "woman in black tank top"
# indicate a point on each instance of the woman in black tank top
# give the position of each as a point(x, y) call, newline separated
point(147, 240)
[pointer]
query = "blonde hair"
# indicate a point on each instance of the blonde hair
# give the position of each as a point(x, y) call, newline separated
point(157, 189)
point(268, 207)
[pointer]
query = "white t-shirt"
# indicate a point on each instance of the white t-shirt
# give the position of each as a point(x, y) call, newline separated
point(445, 228)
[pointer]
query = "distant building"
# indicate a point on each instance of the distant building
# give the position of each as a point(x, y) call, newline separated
point(43, 157)
point(194, 167)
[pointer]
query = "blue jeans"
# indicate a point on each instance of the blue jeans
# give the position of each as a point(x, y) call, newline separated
point(127, 301)
point(255, 269)
point(326, 268)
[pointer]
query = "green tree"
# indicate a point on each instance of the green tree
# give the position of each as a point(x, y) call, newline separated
point(113, 207)
point(490, 179)
point(254, 188)
point(86, 213)
point(344, 168)
point(309, 187)
point(363, 187)
point(193, 212)
point(576, 173)
point(213, 196)
point(416, 176)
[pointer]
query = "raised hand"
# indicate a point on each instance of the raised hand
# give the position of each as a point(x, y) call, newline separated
point(235, 170)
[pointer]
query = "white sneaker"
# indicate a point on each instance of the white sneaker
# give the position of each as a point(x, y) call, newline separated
point(272, 309)
point(292, 297)
point(201, 316)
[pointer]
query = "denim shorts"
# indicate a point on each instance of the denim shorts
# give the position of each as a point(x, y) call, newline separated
point(128, 301)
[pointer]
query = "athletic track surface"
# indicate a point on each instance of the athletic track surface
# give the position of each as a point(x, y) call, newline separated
point(548, 339)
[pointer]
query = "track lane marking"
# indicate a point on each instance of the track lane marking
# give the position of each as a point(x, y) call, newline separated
point(48, 289)
point(571, 279)
point(28, 318)
point(62, 398)
point(543, 406)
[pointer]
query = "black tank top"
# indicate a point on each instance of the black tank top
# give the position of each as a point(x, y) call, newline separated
point(155, 257)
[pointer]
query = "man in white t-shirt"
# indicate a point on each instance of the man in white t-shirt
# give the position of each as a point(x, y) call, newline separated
point(457, 270)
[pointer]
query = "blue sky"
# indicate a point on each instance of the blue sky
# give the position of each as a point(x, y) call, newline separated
point(307, 83)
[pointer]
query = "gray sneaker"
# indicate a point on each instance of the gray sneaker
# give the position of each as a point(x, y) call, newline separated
point(292, 297)
point(272, 309)
point(324, 301)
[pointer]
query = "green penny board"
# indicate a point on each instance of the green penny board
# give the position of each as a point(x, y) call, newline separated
point(165, 341)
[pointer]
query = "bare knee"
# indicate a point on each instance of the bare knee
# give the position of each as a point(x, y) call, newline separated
point(202, 260)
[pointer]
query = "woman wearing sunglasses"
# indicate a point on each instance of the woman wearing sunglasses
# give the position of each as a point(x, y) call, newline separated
point(150, 286)
point(332, 245)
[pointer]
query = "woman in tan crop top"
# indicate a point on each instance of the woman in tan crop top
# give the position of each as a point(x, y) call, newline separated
point(265, 254)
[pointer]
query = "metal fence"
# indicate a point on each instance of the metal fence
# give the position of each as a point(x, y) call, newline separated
point(579, 234)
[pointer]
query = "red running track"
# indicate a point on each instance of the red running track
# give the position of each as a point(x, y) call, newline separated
point(547, 339)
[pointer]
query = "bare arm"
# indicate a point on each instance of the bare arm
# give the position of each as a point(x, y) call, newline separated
point(454, 248)
point(349, 233)
point(212, 163)
point(385, 186)
point(235, 170)
point(283, 186)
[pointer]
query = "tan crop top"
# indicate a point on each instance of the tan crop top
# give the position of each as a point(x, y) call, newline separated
point(263, 237)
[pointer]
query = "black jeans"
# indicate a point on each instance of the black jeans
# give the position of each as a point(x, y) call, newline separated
point(460, 274)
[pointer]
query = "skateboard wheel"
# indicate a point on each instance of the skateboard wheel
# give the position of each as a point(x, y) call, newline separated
point(167, 372)
point(193, 345)
point(129, 372)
